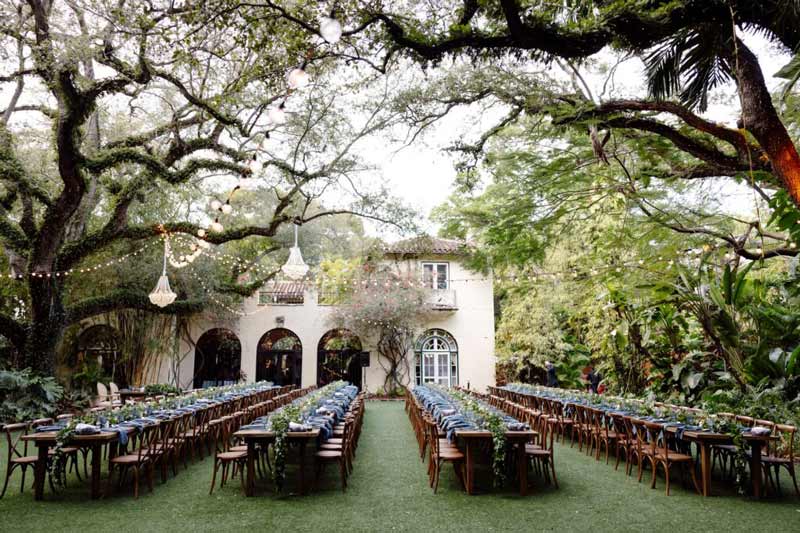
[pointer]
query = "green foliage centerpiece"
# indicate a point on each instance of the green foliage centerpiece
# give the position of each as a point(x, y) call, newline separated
point(280, 420)
point(490, 421)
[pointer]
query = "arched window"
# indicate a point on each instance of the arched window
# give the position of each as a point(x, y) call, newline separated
point(279, 357)
point(436, 358)
point(99, 343)
point(338, 357)
point(217, 359)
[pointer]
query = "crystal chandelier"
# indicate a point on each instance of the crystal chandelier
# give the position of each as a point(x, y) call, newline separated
point(162, 295)
point(295, 267)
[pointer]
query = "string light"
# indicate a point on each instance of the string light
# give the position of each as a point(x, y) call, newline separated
point(297, 78)
point(330, 29)
point(84, 270)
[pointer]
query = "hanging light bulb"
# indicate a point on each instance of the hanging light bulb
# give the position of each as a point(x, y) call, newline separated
point(330, 29)
point(201, 232)
point(277, 115)
point(216, 204)
point(295, 267)
point(162, 295)
point(227, 209)
point(297, 78)
point(255, 165)
point(216, 227)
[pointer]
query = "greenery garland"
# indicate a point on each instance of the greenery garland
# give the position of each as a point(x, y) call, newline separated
point(740, 458)
point(279, 423)
point(491, 422)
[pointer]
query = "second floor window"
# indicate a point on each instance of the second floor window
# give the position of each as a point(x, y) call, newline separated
point(436, 275)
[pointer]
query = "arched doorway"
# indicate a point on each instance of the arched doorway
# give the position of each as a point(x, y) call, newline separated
point(279, 357)
point(338, 357)
point(436, 358)
point(217, 359)
point(99, 345)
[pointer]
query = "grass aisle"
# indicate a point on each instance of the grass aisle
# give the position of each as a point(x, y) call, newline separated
point(389, 492)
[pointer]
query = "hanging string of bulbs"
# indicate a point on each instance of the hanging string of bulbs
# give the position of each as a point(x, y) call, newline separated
point(297, 78)
point(83, 270)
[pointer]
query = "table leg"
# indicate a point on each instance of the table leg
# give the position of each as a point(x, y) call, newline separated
point(40, 471)
point(97, 460)
point(302, 466)
point(251, 475)
point(470, 465)
point(705, 468)
point(755, 467)
point(522, 467)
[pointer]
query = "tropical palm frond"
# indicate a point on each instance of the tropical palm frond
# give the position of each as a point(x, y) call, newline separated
point(689, 64)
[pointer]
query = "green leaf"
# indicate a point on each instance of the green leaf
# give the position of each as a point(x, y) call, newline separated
point(790, 72)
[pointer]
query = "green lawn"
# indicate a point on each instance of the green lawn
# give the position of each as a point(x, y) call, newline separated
point(388, 491)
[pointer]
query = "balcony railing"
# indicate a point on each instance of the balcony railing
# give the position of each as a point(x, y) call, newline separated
point(442, 299)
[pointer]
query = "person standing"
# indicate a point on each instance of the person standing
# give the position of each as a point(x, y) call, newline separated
point(594, 378)
point(552, 379)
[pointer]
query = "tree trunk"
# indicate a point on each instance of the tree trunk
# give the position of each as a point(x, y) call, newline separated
point(46, 325)
point(761, 119)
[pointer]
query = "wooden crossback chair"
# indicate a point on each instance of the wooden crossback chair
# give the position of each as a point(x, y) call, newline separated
point(139, 461)
point(781, 455)
point(442, 451)
point(541, 454)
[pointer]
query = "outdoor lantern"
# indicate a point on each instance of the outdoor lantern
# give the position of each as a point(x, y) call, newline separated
point(295, 267)
point(162, 295)
point(298, 78)
point(330, 29)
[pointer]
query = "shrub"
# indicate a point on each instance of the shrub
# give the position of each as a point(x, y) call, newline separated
point(161, 388)
point(26, 396)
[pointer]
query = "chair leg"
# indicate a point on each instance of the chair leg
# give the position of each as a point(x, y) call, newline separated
point(213, 478)
point(5, 485)
point(110, 483)
point(136, 483)
point(654, 466)
point(553, 468)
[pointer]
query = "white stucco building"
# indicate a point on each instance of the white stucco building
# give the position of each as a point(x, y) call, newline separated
point(286, 334)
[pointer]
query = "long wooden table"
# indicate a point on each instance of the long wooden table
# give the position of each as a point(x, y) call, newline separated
point(705, 440)
point(472, 441)
point(251, 437)
point(46, 440)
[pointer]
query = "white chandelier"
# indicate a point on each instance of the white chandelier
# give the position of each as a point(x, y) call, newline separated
point(295, 267)
point(162, 295)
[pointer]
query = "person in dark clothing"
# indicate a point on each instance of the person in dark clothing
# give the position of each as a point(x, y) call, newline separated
point(594, 379)
point(552, 379)
point(270, 371)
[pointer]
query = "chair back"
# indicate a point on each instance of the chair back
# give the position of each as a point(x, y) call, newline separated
point(784, 447)
point(14, 433)
point(102, 392)
point(114, 390)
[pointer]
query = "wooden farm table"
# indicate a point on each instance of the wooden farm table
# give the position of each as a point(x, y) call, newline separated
point(706, 439)
point(46, 440)
point(472, 440)
point(253, 436)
